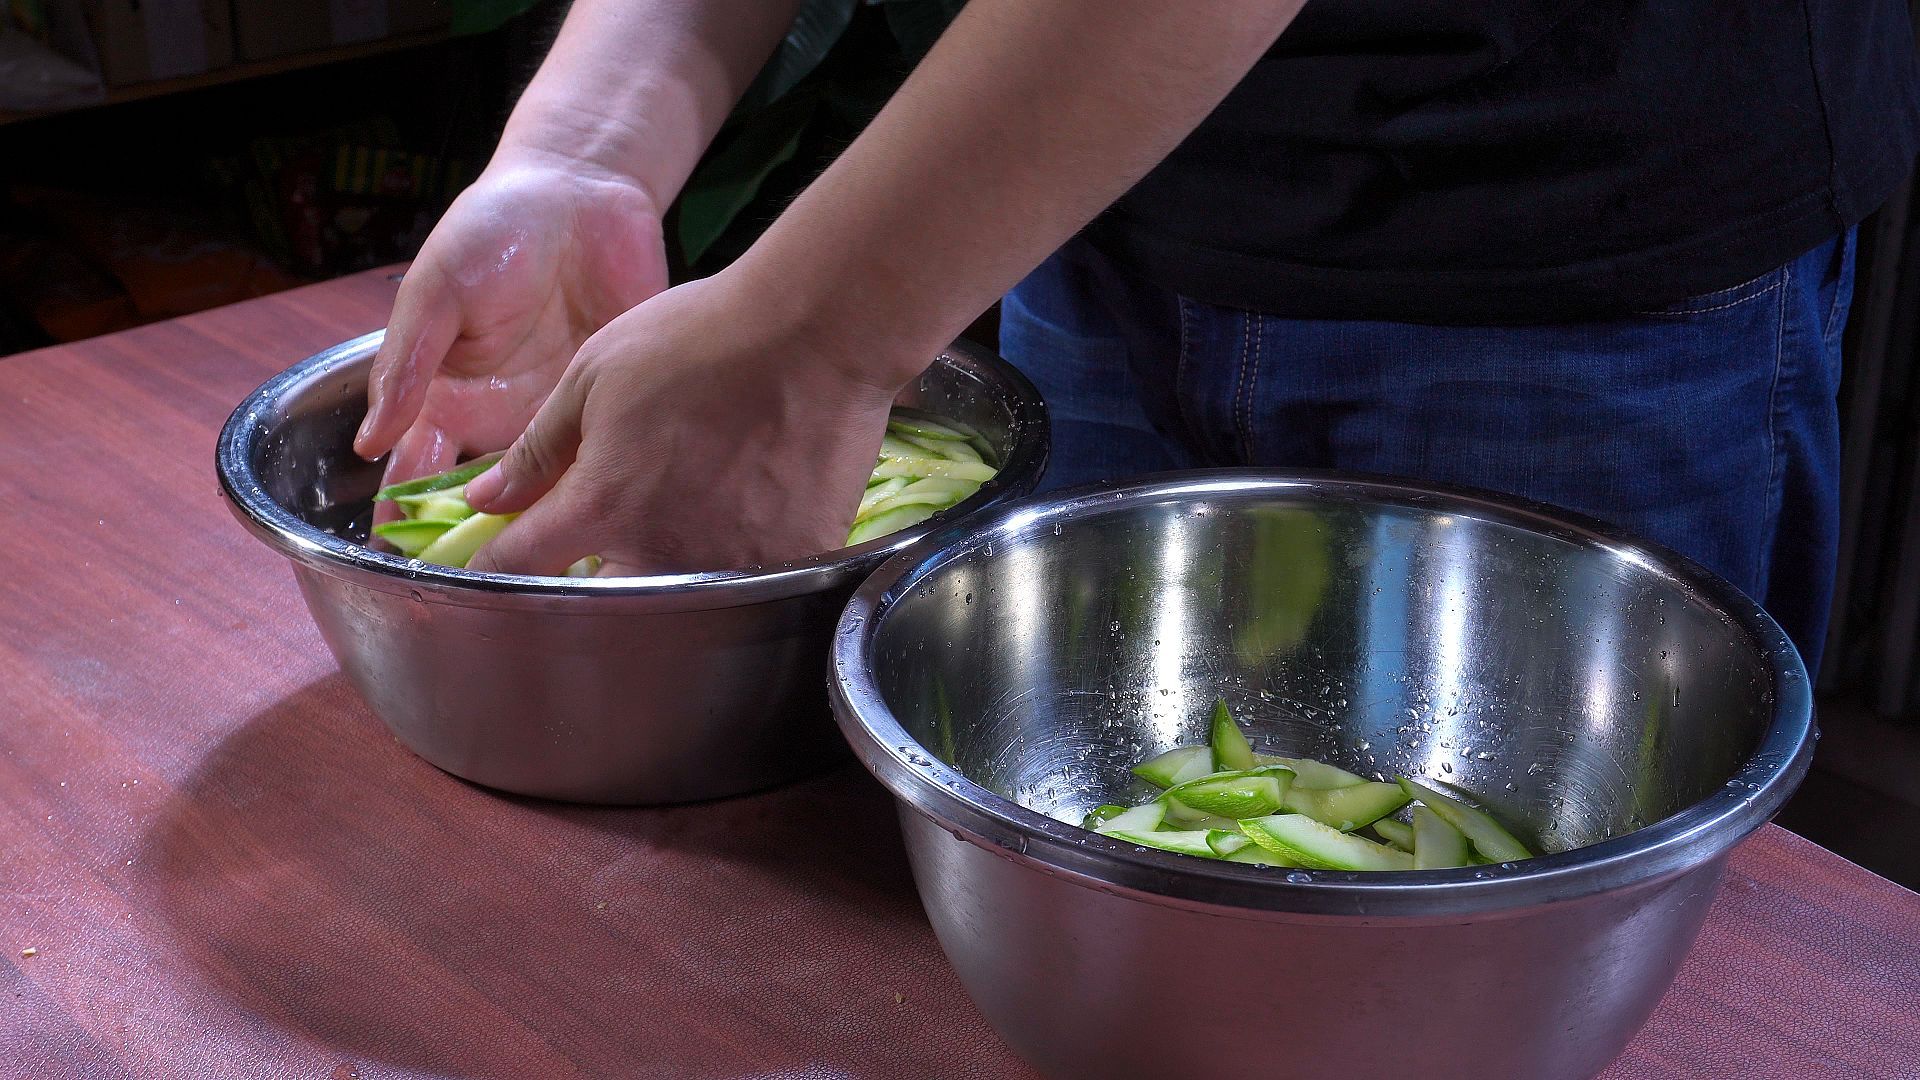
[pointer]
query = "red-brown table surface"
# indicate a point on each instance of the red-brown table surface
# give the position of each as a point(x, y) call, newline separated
point(225, 867)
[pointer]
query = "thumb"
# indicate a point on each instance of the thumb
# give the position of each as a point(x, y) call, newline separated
point(536, 460)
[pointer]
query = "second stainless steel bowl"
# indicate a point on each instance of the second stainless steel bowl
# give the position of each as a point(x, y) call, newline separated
point(614, 690)
point(1624, 708)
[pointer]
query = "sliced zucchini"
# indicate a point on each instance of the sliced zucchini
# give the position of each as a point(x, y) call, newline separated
point(878, 493)
point(1192, 842)
point(1487, 836)
point(1259, 856)
point(457, 546)
point(894, 448)
point(452, 478)
point(1143, 819)
point(1102, 814)
point(1297, 836)
point(922, 467)
point(1179, 815)
point(449, 505)
point(1231, 753)
point(890, 522)
point(1347, 808)
point(1176, 766)
point(1397, 833)
point(410, 536)
point(1436, 844)
point(1225, 842)
point(1233, 795)
point(932, 491)
point(586, 567)
point(904, 422)
point(950, 449)
point(1309, 773)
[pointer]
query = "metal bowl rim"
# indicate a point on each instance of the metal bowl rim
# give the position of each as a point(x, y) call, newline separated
point(333, 555)
point(1687, 839)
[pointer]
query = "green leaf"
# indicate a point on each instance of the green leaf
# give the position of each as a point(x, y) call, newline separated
point(726, 182)
point(480, 16)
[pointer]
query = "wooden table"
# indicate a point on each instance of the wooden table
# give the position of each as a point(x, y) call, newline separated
point(214, 862)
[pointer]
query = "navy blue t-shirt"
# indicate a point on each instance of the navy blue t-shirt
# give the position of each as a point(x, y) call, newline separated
point(1450, 161)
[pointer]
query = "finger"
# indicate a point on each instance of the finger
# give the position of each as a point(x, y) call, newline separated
point(612, 568)
point(537, 459)
point(423, 326)
point(546, 539)
point(424, 450)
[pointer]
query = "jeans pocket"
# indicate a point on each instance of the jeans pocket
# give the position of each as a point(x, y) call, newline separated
point(1721, 299)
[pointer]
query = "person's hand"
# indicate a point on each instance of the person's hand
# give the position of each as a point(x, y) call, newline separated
point(527, 264)
point(700, 431)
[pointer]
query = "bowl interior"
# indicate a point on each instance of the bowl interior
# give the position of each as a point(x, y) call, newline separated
point(302, 456)
point(1571, 685)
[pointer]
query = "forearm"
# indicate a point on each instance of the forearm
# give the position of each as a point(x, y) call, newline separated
point(638, 88)
point(1023, 123)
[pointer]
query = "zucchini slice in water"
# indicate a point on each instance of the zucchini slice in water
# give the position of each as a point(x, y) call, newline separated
point(1231, 752)
point(1397, 833)
point(410, 536)
point(1311, 774)
point(1176, 766)
point(1436, 844)
point(1259, 856)
point(1299, 837)
point(1347, 808)
point(922, 467)
point(890, 522)
point(1141, 819)
point(1486, 835)
point(1234, 795)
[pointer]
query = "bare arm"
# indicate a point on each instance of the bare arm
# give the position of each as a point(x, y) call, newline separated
point(562, 231)
point(639, 87)
point(733, 421)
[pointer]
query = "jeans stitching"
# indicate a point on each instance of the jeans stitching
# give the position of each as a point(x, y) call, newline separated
point(1839, 278)
point(1180, 365)
point(1772, 507)
point(1253, 389)
point(1677, 313)
point(1241, 404)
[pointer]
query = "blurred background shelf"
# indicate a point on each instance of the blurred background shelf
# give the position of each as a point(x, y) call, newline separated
point(301, 160)
point(240, 72)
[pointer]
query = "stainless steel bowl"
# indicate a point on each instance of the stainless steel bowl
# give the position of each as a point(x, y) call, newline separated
point(615, 690)
point(1627, 709)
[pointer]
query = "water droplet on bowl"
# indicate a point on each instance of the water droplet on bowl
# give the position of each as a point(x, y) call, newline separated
point(1299, 877)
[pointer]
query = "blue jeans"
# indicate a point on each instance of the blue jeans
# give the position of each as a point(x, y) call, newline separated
point(1710, 426)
